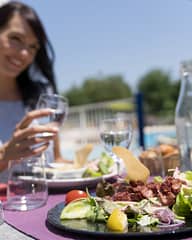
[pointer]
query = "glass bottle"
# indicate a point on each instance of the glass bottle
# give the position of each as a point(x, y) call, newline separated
point(183, 117)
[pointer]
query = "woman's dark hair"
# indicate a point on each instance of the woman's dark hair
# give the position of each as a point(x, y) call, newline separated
point(39, 75)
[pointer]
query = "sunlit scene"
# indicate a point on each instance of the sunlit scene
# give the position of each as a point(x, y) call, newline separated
point(103, 60)
point(95, 119)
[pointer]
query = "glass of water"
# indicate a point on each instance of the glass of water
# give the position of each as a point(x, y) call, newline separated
point(59, 106)
point(27, 186)
point(116, 132)
point(1, 213)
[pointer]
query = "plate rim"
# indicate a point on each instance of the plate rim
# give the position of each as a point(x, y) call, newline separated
point(75, 182)
point(80, 181)
point(81, 178)
point(169, 234)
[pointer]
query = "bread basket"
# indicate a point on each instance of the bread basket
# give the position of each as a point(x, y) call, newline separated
point(161, 159)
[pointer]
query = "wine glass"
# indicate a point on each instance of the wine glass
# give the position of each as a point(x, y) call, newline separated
point(116, 132)
point(59, 106)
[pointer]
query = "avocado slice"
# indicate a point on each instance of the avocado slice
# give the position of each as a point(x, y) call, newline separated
point(77, 209)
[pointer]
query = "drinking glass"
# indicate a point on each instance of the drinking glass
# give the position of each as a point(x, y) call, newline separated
point(27, 186)
point(59, 106)
point(1, 213)
point(116, 132)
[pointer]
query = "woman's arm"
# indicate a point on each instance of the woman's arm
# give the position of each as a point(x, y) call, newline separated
point(24, 138)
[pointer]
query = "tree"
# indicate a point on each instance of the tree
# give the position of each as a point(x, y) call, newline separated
point(109, 88)
point(99, 90)
point(175, 90)
point(76, 96)
point(158, 91)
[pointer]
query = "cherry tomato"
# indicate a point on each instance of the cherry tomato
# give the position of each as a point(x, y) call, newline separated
point(74, 194)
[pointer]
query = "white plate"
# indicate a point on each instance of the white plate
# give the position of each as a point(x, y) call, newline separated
point(57, 164)
point(73, 182)
point(62, 171)
point(78, 182)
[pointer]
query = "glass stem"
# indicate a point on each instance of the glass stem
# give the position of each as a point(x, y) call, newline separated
point(117, 160)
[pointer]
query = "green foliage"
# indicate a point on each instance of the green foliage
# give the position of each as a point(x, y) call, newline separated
point(76, 96)
point(122, 106)
point(159, 91)
point(99, 90)
point(175, 90)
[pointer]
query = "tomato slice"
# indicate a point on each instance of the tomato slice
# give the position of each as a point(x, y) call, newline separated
point(74, 194)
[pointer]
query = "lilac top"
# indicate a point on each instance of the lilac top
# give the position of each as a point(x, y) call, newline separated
point(10, 114)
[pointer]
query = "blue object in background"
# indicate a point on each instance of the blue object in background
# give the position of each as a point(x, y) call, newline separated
point(140, 118)
point(151, 139)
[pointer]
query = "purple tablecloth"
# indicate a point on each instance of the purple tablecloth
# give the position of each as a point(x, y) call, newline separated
point(32, 222)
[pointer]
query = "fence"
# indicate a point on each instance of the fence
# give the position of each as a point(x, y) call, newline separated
point(82, 123)
point(90, 115)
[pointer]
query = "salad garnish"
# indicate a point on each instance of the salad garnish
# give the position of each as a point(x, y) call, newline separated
point(99, 167)
point(165, 203)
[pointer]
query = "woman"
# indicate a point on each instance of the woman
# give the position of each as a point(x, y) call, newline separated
point(26, 70)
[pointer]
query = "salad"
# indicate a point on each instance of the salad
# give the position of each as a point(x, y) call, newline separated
point(121, 205)
point(103, 165)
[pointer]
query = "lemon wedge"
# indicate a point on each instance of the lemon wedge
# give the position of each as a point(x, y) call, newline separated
point(117, 221)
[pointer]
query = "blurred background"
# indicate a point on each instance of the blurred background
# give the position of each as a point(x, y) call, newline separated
point(117, 58)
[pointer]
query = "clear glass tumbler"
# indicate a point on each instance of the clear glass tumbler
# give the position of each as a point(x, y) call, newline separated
point(59, 106)
point(27, 187)
point(116, 132)
point(1, 213)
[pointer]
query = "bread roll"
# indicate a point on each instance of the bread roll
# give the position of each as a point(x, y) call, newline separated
point(166, 149)
point(167, 155)
point(152, 159)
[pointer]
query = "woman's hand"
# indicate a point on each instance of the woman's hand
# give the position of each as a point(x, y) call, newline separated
point(25, 142)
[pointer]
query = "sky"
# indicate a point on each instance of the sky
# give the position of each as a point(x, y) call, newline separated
point(97, 38)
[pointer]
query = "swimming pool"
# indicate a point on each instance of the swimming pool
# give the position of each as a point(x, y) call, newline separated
point(151, 139)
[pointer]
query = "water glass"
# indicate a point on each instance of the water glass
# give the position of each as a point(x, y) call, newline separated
point(1, 213)
point(116, 132)
point(27, 187)
point(58, 104)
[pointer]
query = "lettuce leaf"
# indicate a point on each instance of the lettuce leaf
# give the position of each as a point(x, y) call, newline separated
point(183, 205)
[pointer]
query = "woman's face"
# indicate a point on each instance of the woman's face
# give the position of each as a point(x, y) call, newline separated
point(18, 47)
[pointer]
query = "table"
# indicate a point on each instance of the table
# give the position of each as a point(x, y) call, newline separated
point(33, 223)
point(9, 233)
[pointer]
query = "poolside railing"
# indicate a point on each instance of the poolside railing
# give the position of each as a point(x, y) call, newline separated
point(83, 121)
point(90, 115)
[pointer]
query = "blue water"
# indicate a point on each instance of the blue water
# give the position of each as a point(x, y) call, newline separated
point(151, 139)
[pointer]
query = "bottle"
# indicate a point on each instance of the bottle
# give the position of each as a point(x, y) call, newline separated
point(183, 117)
